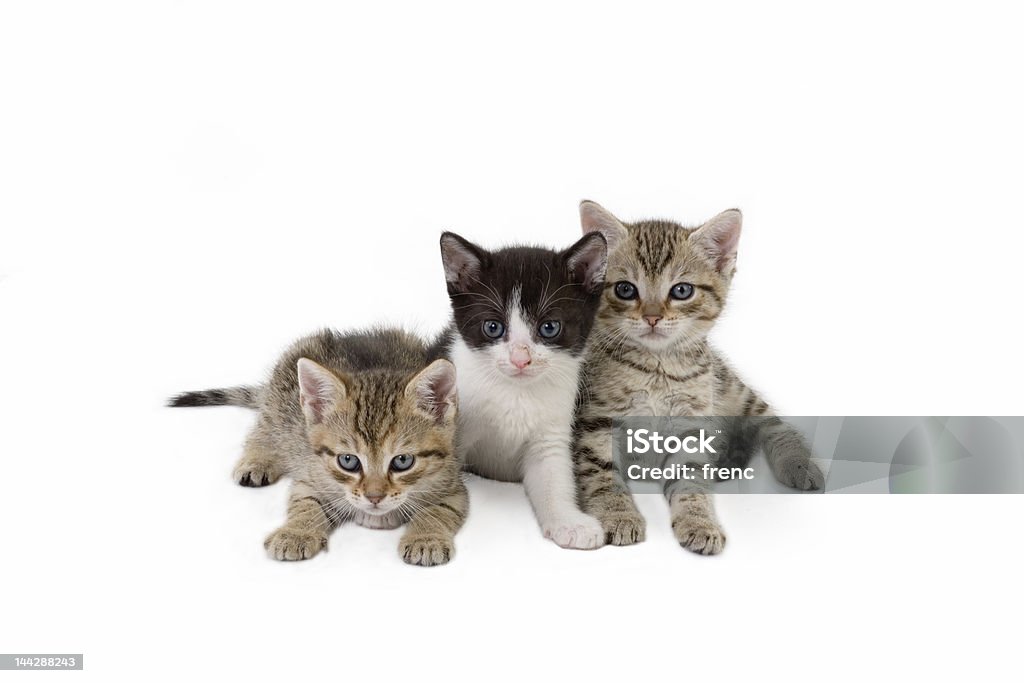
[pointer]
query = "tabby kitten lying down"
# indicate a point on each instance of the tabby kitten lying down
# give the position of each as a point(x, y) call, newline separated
point(365, 428)
point(649, 355)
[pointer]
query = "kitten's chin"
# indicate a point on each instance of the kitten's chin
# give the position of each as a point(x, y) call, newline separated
point(392, 519)
point(655, 340)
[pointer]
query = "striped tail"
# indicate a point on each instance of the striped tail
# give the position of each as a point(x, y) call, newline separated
point(245, 397)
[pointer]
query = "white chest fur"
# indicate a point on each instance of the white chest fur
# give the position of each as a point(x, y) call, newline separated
point(503, 419)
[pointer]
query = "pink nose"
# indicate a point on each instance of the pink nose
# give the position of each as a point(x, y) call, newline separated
point(375, 497)
point(652, 320)
point(520, 357)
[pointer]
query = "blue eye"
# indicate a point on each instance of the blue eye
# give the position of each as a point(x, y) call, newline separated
point(682, 291)
point(400, 463)
point(625, 290)
point(494, 329)
point(550, 329)
point(349, 463)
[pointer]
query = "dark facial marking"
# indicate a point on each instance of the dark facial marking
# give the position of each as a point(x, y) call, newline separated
point(548, 291)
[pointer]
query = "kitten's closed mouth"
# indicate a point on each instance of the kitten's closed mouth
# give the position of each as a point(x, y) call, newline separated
point(521, 375)
point(654, 332)
point(373, 510)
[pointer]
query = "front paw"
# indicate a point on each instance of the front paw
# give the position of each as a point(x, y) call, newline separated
point(699, 534)
point(288, 543)
point(799, 472)
point(576, 530)
point(255, 473)
point(624, 528)
point(426, 550)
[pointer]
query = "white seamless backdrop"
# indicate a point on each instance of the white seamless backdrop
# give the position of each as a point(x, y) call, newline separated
point(185, 187)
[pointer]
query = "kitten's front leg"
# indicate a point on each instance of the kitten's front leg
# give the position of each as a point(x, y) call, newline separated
point(551, 488)
point(788, 454)
point(304, 532)
point(694, 522)
point(261, 464)
point(602, 492)
point(429, 538)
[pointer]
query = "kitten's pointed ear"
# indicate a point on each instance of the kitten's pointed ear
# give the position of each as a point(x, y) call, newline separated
point(463, 261)
point(720, 238)
point(320, 390)
point(587, 260)
point(596, 218)
point(433, 391)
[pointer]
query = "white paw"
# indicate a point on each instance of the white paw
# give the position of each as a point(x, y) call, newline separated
point(575, 530)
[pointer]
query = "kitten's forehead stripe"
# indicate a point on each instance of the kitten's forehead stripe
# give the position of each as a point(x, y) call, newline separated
point(377, 410)
point(519, 329)
point(656, 244)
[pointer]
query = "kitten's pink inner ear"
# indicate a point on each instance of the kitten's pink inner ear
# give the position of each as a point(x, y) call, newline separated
point(434, 390)
point(721, 238)
point(587, 260)
point(462, 260)
point(320, 390)
point(596, 218)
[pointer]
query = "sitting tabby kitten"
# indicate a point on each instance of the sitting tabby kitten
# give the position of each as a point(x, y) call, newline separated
point(365, 428)
point(521, 319)
point(649, 355)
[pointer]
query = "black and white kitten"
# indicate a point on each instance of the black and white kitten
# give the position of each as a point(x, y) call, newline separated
point(521, 320)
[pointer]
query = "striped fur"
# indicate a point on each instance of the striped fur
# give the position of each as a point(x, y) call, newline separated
point(243, 397)
point(372, 395)
point(649, 356)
